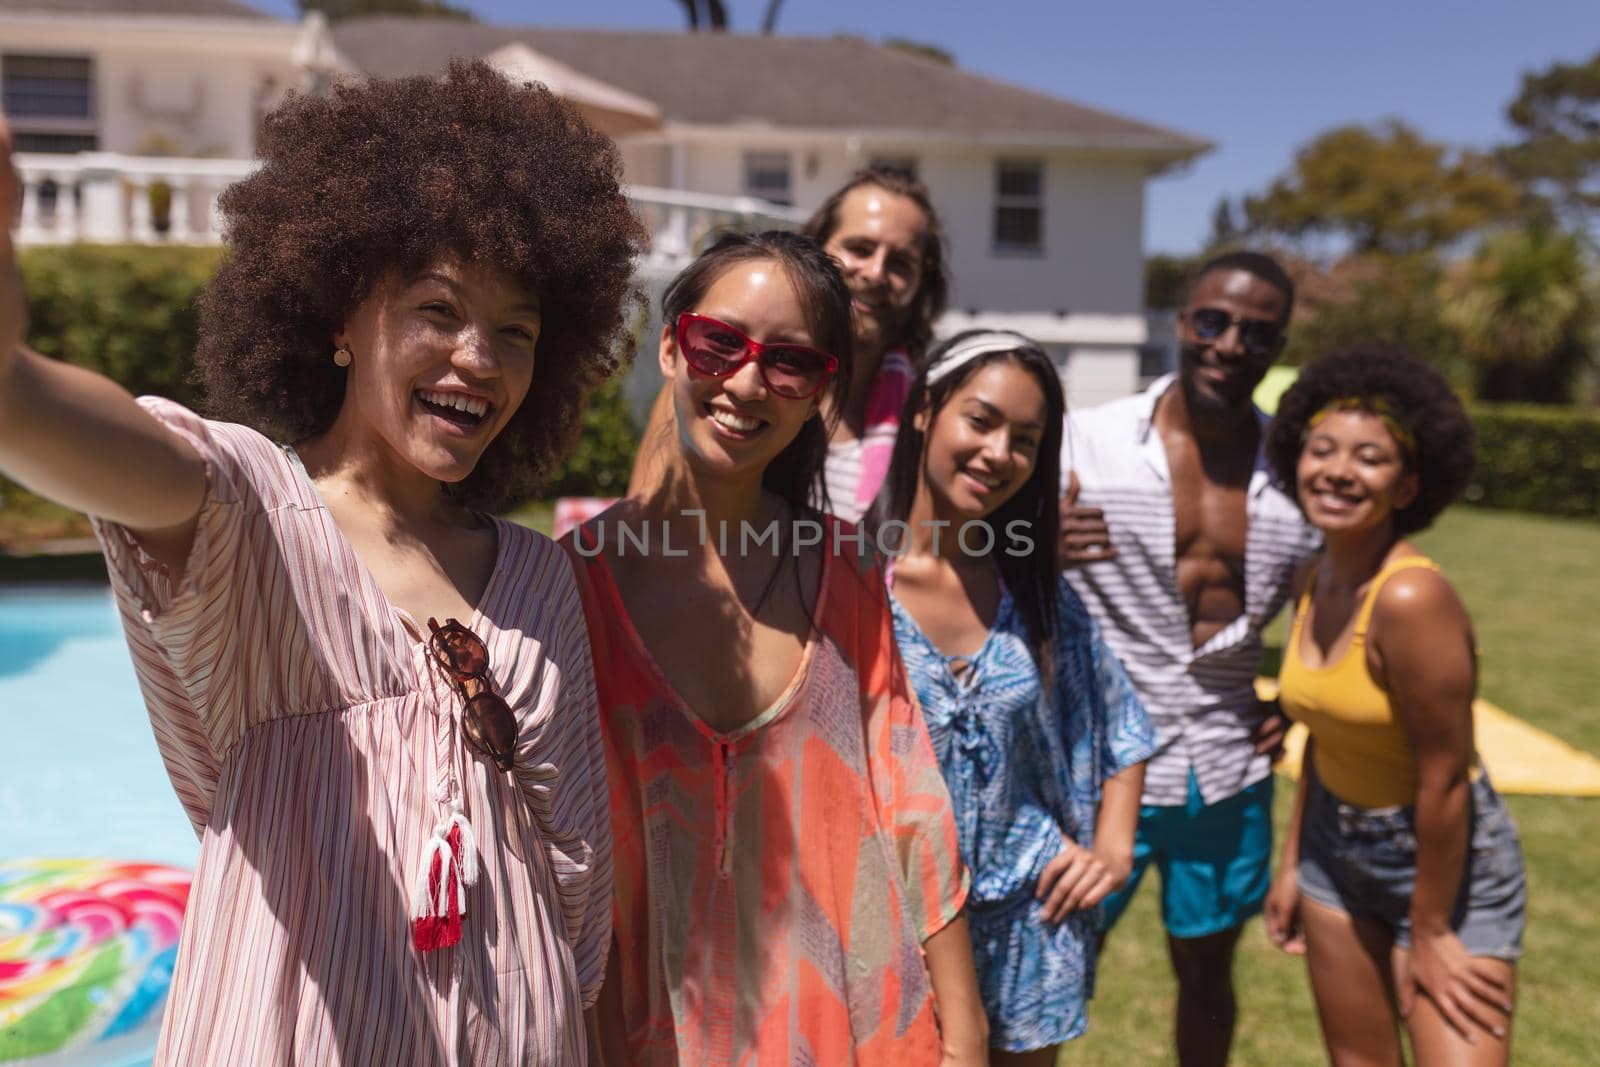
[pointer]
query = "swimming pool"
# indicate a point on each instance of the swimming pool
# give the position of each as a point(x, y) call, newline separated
point(79, 770)
point(80, 775)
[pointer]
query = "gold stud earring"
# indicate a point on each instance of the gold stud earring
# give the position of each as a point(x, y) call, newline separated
point(342, 356)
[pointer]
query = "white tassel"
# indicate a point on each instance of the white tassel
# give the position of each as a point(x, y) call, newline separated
point(469, 847)
point(422, 907)
point(461, 868)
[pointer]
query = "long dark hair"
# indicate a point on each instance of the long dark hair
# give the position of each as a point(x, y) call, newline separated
point(825, 302)
point(1031, 578)
point(934, 291)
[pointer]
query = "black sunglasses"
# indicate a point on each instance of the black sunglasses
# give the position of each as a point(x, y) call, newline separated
point(1257, 337)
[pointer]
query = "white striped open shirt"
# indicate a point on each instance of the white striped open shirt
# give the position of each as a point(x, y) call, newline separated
point(315, 750)
point(1201, 700)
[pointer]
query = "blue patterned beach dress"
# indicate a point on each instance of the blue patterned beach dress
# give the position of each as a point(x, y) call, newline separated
point(1023, 771)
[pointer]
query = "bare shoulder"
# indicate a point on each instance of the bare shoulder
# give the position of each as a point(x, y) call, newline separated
point(1420, 630)
point(1418, 596)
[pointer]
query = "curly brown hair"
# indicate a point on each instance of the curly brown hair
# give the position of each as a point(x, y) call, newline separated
point(382, 178)
point(1445, 453)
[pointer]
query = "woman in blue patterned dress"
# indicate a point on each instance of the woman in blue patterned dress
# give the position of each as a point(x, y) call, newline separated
point(1036, 727)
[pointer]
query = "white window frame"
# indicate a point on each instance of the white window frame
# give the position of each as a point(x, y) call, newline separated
point(770, 162)
point(1013, 201)
point(23, 123)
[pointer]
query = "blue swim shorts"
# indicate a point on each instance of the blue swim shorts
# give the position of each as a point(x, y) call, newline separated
point(1215, 860)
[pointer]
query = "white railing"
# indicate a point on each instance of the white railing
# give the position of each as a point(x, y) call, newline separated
point(108, 198)
point(679, 221)
point(115, 199)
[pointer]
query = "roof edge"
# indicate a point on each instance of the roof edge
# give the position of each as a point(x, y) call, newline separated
point(1170, 146)
point(113, 20)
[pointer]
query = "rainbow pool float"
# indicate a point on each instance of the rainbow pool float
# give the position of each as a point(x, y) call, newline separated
point(87, 949)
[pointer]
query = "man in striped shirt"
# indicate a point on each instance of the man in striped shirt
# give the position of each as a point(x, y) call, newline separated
point(1184, 551)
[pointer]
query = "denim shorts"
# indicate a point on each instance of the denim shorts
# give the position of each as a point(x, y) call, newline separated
point(1363, 861)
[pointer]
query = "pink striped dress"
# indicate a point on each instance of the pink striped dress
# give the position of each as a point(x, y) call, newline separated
point(316, 750)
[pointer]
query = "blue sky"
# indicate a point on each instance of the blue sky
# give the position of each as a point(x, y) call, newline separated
point(1256, 78)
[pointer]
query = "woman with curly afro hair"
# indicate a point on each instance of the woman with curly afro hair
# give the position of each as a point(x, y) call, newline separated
point(405, 849)
point(1402, 877)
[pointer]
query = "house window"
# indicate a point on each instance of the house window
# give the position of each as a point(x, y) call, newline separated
point(905, 164)
point(49, 101)
point(1019, 206)
point(766, 175)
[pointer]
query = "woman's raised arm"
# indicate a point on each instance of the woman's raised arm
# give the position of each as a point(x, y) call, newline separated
point(78, 438)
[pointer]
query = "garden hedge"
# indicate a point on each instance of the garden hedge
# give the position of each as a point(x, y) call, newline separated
point(1531, 458)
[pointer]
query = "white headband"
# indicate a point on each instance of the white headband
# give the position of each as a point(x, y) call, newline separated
point(970, 348)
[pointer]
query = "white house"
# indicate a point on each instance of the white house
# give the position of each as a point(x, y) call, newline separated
point(146, 77)
point(1042, 198)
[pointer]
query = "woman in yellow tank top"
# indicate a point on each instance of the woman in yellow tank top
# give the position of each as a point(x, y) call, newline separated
point(1402, 877)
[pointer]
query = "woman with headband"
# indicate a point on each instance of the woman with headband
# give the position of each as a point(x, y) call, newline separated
point(1036, 727)
point(1402, 878)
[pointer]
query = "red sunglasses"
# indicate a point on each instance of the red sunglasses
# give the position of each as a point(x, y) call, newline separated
point(717, 350)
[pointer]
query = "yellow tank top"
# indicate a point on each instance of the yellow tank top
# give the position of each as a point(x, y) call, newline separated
point(1362, 753)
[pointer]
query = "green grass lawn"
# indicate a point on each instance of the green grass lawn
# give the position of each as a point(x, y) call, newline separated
point(540, 515)
point(1530, 584)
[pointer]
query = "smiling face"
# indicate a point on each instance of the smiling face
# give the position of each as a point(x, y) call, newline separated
point(1352, 474)
point(878, 239)
point(733, 425)
point(983, 444)
point(1222, 372)
point(440, 363)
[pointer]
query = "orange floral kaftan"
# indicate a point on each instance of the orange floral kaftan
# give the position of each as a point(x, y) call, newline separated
point(774, 884)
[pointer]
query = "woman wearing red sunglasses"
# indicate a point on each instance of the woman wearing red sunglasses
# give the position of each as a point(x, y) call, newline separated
point(788, 880)
point(404, 849)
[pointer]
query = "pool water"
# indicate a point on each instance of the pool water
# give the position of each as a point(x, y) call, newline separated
point(79, 770)
point(80, 775)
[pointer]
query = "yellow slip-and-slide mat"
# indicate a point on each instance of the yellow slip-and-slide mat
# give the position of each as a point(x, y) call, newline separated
point(1520, 758)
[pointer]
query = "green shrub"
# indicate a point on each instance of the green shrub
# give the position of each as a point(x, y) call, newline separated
point(128, 312)
point(604, 457)
point(1537, 459)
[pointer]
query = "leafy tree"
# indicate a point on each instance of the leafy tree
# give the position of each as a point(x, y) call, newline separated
point(1557, 113)
point(1522, 312)
point(1165, 278)
point(1359, 299)
point(1225, 231)
point(1384, 189)
point(344, 9)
